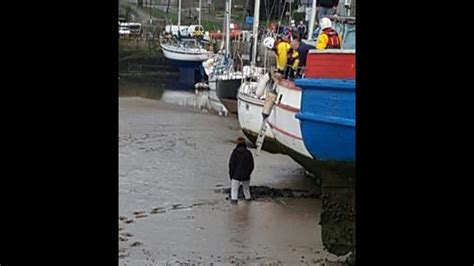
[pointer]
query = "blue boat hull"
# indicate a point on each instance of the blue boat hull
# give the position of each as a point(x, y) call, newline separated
point(190, 72)
point(328, 119)
point(184, 64)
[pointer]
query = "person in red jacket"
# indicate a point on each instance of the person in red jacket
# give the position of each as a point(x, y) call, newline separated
point(328, 38)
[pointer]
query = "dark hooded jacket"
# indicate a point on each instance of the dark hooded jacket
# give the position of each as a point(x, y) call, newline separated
point(241, 163)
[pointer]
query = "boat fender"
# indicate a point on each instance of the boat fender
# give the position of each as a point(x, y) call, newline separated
point(208, 66)
point(201, 86)
point(261, 85)
point(268, 105)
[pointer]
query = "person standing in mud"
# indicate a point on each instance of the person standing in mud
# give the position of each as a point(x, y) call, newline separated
point(241, 165)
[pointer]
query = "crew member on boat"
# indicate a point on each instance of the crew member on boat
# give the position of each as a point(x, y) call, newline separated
point(302, 54)
point(198, 34)
point(281, 47)
point(328, 38)
point(293, 60)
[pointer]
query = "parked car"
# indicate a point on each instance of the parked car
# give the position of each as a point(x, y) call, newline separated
point(124, 31)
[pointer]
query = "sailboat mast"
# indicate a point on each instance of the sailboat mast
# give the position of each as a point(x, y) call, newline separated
point(312, 21)
point(256, 19)
point(227, 26)
point(199, 12)
point(179, 15)
point(289, 14)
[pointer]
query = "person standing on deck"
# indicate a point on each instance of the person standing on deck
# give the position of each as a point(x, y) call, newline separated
point(302, 54)
point(281, 49)
point(293, 60)
point(326, 8)
point(241, 166)
point(328, 38)
point(301, 30)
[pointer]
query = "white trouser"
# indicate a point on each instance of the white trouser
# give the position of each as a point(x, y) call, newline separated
point(234, 192)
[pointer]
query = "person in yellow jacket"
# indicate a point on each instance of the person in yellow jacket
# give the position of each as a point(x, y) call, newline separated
point(328, 38)
point(293, 60)
point(198, 34)
point(285, 53)
point(281, 52)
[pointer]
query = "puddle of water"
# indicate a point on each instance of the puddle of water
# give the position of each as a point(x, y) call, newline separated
point(167, 90)
point(149, 90)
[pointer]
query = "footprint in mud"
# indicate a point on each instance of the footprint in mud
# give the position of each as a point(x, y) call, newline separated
point(198, 204)
point(179, 206)
point(140, 216)
point(122, 256)
point(136, 244)
point(126, 234)
point(157, 210)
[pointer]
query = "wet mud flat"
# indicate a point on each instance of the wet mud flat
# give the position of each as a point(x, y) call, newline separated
point(173, 184)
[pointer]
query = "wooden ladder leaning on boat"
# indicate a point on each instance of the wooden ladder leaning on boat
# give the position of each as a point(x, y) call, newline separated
point(267, 108)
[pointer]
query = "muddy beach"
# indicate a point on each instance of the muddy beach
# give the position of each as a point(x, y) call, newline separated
point(173, 192)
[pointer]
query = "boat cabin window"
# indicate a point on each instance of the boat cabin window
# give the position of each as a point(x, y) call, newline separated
point(189, 43)
point(347, 32)
point(348, 41)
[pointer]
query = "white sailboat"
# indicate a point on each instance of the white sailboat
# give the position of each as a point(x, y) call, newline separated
point(223, 81)
point(184, 51)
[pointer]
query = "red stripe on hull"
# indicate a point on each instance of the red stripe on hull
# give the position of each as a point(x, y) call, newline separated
point(288, 108)
point(284, 132)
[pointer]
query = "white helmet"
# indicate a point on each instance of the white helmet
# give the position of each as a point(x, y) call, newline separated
point(325, 23)
point(269, 42)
